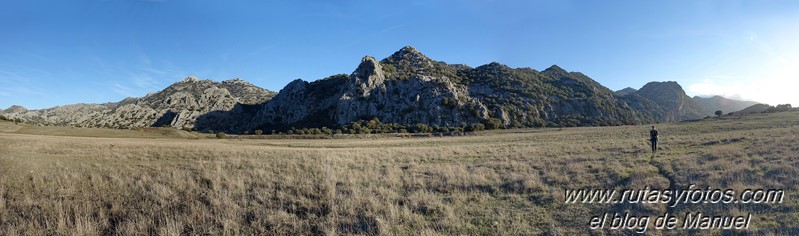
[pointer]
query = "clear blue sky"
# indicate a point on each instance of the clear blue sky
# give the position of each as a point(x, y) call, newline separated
point(89, 51)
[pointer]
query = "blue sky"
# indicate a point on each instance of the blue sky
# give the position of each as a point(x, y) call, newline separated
point(90, 51)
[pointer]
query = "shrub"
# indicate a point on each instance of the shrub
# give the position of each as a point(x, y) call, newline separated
point(220, 135)
point(365, 130)
point(314, 131)
point(475, 127)
point(326, 130)
point(493, 123)
point(421, 128)
point(259, 132)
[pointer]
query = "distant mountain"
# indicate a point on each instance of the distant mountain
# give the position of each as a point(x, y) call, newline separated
point(753, 109)
point(764, 108)
point(178, 105)
point(673, 101)
point(716, 103)
point(15, 108)
point(625, 91)
point(402, 90)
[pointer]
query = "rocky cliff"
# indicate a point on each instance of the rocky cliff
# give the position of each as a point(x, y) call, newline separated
point(178, 105)
point(408, 88)
point(405, 88)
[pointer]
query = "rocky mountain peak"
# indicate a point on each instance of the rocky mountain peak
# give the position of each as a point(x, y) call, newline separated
point(367, 63)
point(672, 98)
point(369, 73)
point(625, 91)
point(460, 66)
point(236, 81)
point(493, 66)
point(409, 58)
point(294, 86)
point(555, 69)
point(16, 108)
point(190, 79)
point(409, 49)
point(670, 87)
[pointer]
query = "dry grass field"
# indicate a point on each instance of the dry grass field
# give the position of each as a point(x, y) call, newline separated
point(72, 181)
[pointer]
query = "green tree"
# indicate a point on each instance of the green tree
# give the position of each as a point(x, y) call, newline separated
point(365, 130)
point(493, 123)
point(421, 128)
point(326, 130)
point(475, 127)
point(719, 113)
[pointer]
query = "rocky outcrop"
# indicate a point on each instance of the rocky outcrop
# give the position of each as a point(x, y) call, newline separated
point(408, 88)
point(403, 88)
point(179, 105)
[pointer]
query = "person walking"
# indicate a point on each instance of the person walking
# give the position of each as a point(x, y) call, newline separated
point(653, 138)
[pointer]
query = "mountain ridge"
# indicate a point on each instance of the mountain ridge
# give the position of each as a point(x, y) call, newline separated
point(406, 88)
point(178, 105)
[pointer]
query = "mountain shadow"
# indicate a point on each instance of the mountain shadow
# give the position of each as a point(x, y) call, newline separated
point(165, 119)
point(231, 121)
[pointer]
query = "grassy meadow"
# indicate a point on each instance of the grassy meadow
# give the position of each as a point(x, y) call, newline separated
point(78, 181)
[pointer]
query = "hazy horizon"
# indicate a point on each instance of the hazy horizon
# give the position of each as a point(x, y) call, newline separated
point(58, 53)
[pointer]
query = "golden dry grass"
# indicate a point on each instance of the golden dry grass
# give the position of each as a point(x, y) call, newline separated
point(507, 182)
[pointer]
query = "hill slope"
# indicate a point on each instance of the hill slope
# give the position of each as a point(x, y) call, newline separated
point(178, 105)
point(716, 103)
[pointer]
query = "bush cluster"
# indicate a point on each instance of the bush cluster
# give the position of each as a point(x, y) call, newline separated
point(374, 126)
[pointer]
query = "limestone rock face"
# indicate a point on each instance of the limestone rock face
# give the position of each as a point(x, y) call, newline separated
point(405, 88)
point(178, 105)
